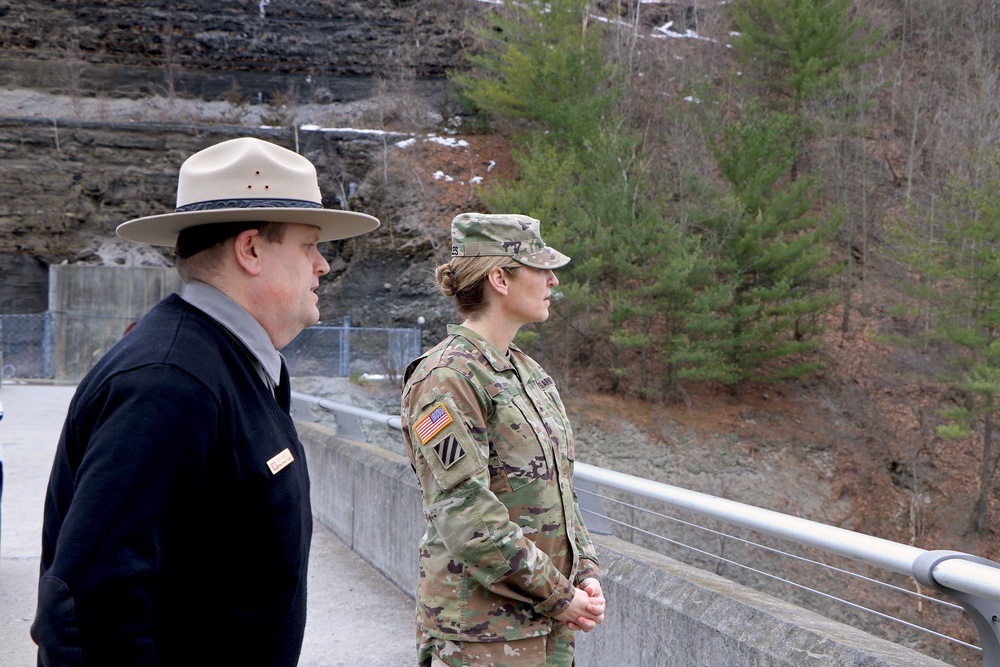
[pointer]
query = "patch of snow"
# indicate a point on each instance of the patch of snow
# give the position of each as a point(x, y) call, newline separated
point(666, 31)
point(115, 251)
point(448, 141)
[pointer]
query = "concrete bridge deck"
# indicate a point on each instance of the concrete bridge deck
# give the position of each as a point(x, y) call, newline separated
point(355, 615)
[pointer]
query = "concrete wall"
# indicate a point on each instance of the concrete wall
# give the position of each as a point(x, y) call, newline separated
point(369, 497)
point(91, 307)
point(661, 613)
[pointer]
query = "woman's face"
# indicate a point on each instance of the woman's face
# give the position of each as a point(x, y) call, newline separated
point(529, 294)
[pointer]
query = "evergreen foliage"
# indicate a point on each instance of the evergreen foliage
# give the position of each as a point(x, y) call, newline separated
point(660, 303)
point(637, 279)
point(957, 252)
point(769, 246)
point(541, 63)
point(802, 48)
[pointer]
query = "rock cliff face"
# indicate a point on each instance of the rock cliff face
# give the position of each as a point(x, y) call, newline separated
point(328, 50)
point(100, 102)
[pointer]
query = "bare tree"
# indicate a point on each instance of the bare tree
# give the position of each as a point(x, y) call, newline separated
point(171, 65)
point(73, 64)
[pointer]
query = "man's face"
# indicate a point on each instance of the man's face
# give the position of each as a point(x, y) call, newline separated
point(289, 277)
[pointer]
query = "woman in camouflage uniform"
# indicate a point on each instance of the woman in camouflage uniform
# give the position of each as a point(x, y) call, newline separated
point(508, 572)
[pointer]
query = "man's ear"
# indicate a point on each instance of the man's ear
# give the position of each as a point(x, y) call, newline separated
point(246, 250)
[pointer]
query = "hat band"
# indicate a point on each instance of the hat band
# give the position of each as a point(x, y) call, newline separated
point(217, 204)
point(495, 248)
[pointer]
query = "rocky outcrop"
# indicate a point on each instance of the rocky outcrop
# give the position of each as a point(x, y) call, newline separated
point(72, 180)
point(72, 183)
point(75, 170)
point(318, 50)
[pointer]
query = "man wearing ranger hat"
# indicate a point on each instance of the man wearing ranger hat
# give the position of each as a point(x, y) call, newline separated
point(177, 521)
point(508, 572)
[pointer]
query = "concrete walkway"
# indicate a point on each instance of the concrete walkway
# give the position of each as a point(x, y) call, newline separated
point(356, 616)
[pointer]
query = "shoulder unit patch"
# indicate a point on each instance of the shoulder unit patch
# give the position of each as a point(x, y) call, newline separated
point(449, 451)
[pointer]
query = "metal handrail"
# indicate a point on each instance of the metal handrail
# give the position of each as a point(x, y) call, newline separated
point(392, 421)
point(973, 581)
point(899, 558)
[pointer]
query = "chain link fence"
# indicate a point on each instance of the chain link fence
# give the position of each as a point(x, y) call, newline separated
point(26, 345)
point(324, 350)
point(327, 350)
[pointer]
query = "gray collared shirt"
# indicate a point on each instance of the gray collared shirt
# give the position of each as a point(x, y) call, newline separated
point(241, 324)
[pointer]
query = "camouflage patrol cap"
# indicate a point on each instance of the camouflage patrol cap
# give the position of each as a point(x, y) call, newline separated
point(517, 236)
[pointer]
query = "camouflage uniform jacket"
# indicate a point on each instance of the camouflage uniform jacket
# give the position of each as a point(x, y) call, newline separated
point(493, 451)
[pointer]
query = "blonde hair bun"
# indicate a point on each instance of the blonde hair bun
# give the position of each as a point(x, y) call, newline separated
point(445, 276)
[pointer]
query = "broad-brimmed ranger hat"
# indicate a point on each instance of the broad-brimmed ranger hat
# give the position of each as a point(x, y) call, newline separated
point(516, 236)
point(246, 180)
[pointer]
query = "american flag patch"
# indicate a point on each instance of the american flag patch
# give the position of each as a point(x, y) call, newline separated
point(432, 423)
point(449, 451)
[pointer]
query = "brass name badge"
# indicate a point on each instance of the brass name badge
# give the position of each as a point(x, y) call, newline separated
point(280, 460)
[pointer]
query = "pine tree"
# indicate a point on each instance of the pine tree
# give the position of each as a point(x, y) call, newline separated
point(638, 280)
point(769, 245)
point(957, 253)
point(541, 63)
point(800, 48)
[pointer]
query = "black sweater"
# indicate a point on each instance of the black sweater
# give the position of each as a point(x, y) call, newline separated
point(167, 539)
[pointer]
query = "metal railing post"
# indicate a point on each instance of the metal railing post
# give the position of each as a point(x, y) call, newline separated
point(985, 614)
point(345, 348)
point(47, 345)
